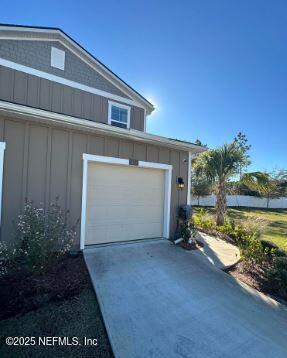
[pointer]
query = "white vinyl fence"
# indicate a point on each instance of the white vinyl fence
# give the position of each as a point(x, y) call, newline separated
point(243, 200)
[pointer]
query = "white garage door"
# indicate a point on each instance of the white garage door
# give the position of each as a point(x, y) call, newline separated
point(123, 203)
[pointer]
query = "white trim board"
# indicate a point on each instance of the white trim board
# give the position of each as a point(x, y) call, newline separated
point(64, 81)
point(118, 161)
point(2, 150)
point(188, 199)
point(36, 34)
point(20, 111)
point(189, 184)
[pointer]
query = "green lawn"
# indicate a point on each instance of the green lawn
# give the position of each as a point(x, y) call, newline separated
point(276, 230)
point(78, 317)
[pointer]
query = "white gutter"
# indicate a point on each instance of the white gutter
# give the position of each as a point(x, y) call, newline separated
point(20, 111)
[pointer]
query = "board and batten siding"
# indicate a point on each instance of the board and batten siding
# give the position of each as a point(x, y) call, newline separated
point(42, 162)
point(29, 90)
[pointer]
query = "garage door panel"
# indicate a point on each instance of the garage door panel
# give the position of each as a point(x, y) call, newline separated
point(126, 214)
point(123, 203)
point(116, 194)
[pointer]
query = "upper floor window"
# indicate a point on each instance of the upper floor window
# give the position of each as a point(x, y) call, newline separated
point(119, 115)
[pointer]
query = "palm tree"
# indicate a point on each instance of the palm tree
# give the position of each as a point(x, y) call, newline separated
point(218, 165)
point(263, 183)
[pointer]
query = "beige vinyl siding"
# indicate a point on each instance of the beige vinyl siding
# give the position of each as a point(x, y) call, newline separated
point(44, 161)
point(29, 90)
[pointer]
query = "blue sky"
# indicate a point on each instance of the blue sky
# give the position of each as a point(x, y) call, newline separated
point(212, 68)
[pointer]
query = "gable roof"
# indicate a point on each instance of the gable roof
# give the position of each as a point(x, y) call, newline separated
point(10, 31)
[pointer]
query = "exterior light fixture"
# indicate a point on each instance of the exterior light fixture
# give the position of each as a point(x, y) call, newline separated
point(180, 183)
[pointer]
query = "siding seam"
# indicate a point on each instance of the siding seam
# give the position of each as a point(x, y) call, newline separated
point(25, 164)
point(48, 168)
point(69, 171)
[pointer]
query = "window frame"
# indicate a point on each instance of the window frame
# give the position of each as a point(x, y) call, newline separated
point(122, 106)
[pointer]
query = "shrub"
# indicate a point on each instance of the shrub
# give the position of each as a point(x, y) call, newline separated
point(278, 275)
point(251, 250)
point(42, 235)
point(185, 232)
point(7, 257)
point(203, 220)
point(227, 228)
point(254, 225)
point(245, 235)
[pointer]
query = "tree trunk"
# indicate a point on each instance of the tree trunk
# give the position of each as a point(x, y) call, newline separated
point(220, 202)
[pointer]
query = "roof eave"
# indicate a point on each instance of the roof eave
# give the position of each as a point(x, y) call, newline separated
point(130, 91)
point(20, 111)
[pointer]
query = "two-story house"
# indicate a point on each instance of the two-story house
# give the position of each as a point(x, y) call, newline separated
point(71, 128)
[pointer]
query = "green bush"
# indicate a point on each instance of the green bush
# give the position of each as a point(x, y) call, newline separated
point(278, 275)
point(245, 235)
point(185, 231)
point(203, 220)
point(251, 250)
point(228, 227)
point(7, 257)
point(42, 235)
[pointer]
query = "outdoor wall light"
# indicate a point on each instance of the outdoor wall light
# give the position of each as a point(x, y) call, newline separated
point(180, 183)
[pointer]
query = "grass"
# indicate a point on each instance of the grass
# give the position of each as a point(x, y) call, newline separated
point(276, 229)
point(77, 317)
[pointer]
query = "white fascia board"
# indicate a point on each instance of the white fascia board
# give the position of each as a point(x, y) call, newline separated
point(72, 45)
point(20, 110)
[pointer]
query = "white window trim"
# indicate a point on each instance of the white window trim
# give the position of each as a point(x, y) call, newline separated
point(123, 106)
point(2, 150)
point(87, 158)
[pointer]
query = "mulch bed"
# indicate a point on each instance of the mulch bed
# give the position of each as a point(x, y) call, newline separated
point(196, 244)
point(256, 277)
point(24, 292)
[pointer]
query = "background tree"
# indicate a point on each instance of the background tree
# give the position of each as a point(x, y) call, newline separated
point(199, 142)
point(241, 142)
point(218, 166)
point(200, 187)
point(266, 184)
point(281, 177)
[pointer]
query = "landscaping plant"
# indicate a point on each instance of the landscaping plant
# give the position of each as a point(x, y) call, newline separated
point(42, 235)
point(245, 235)
point(218, 166)
point(7, 257)
point(278, 275)
point(259, 259)
point(265, 184)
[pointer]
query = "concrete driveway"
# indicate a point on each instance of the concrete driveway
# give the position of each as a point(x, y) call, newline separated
point(158, 300)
